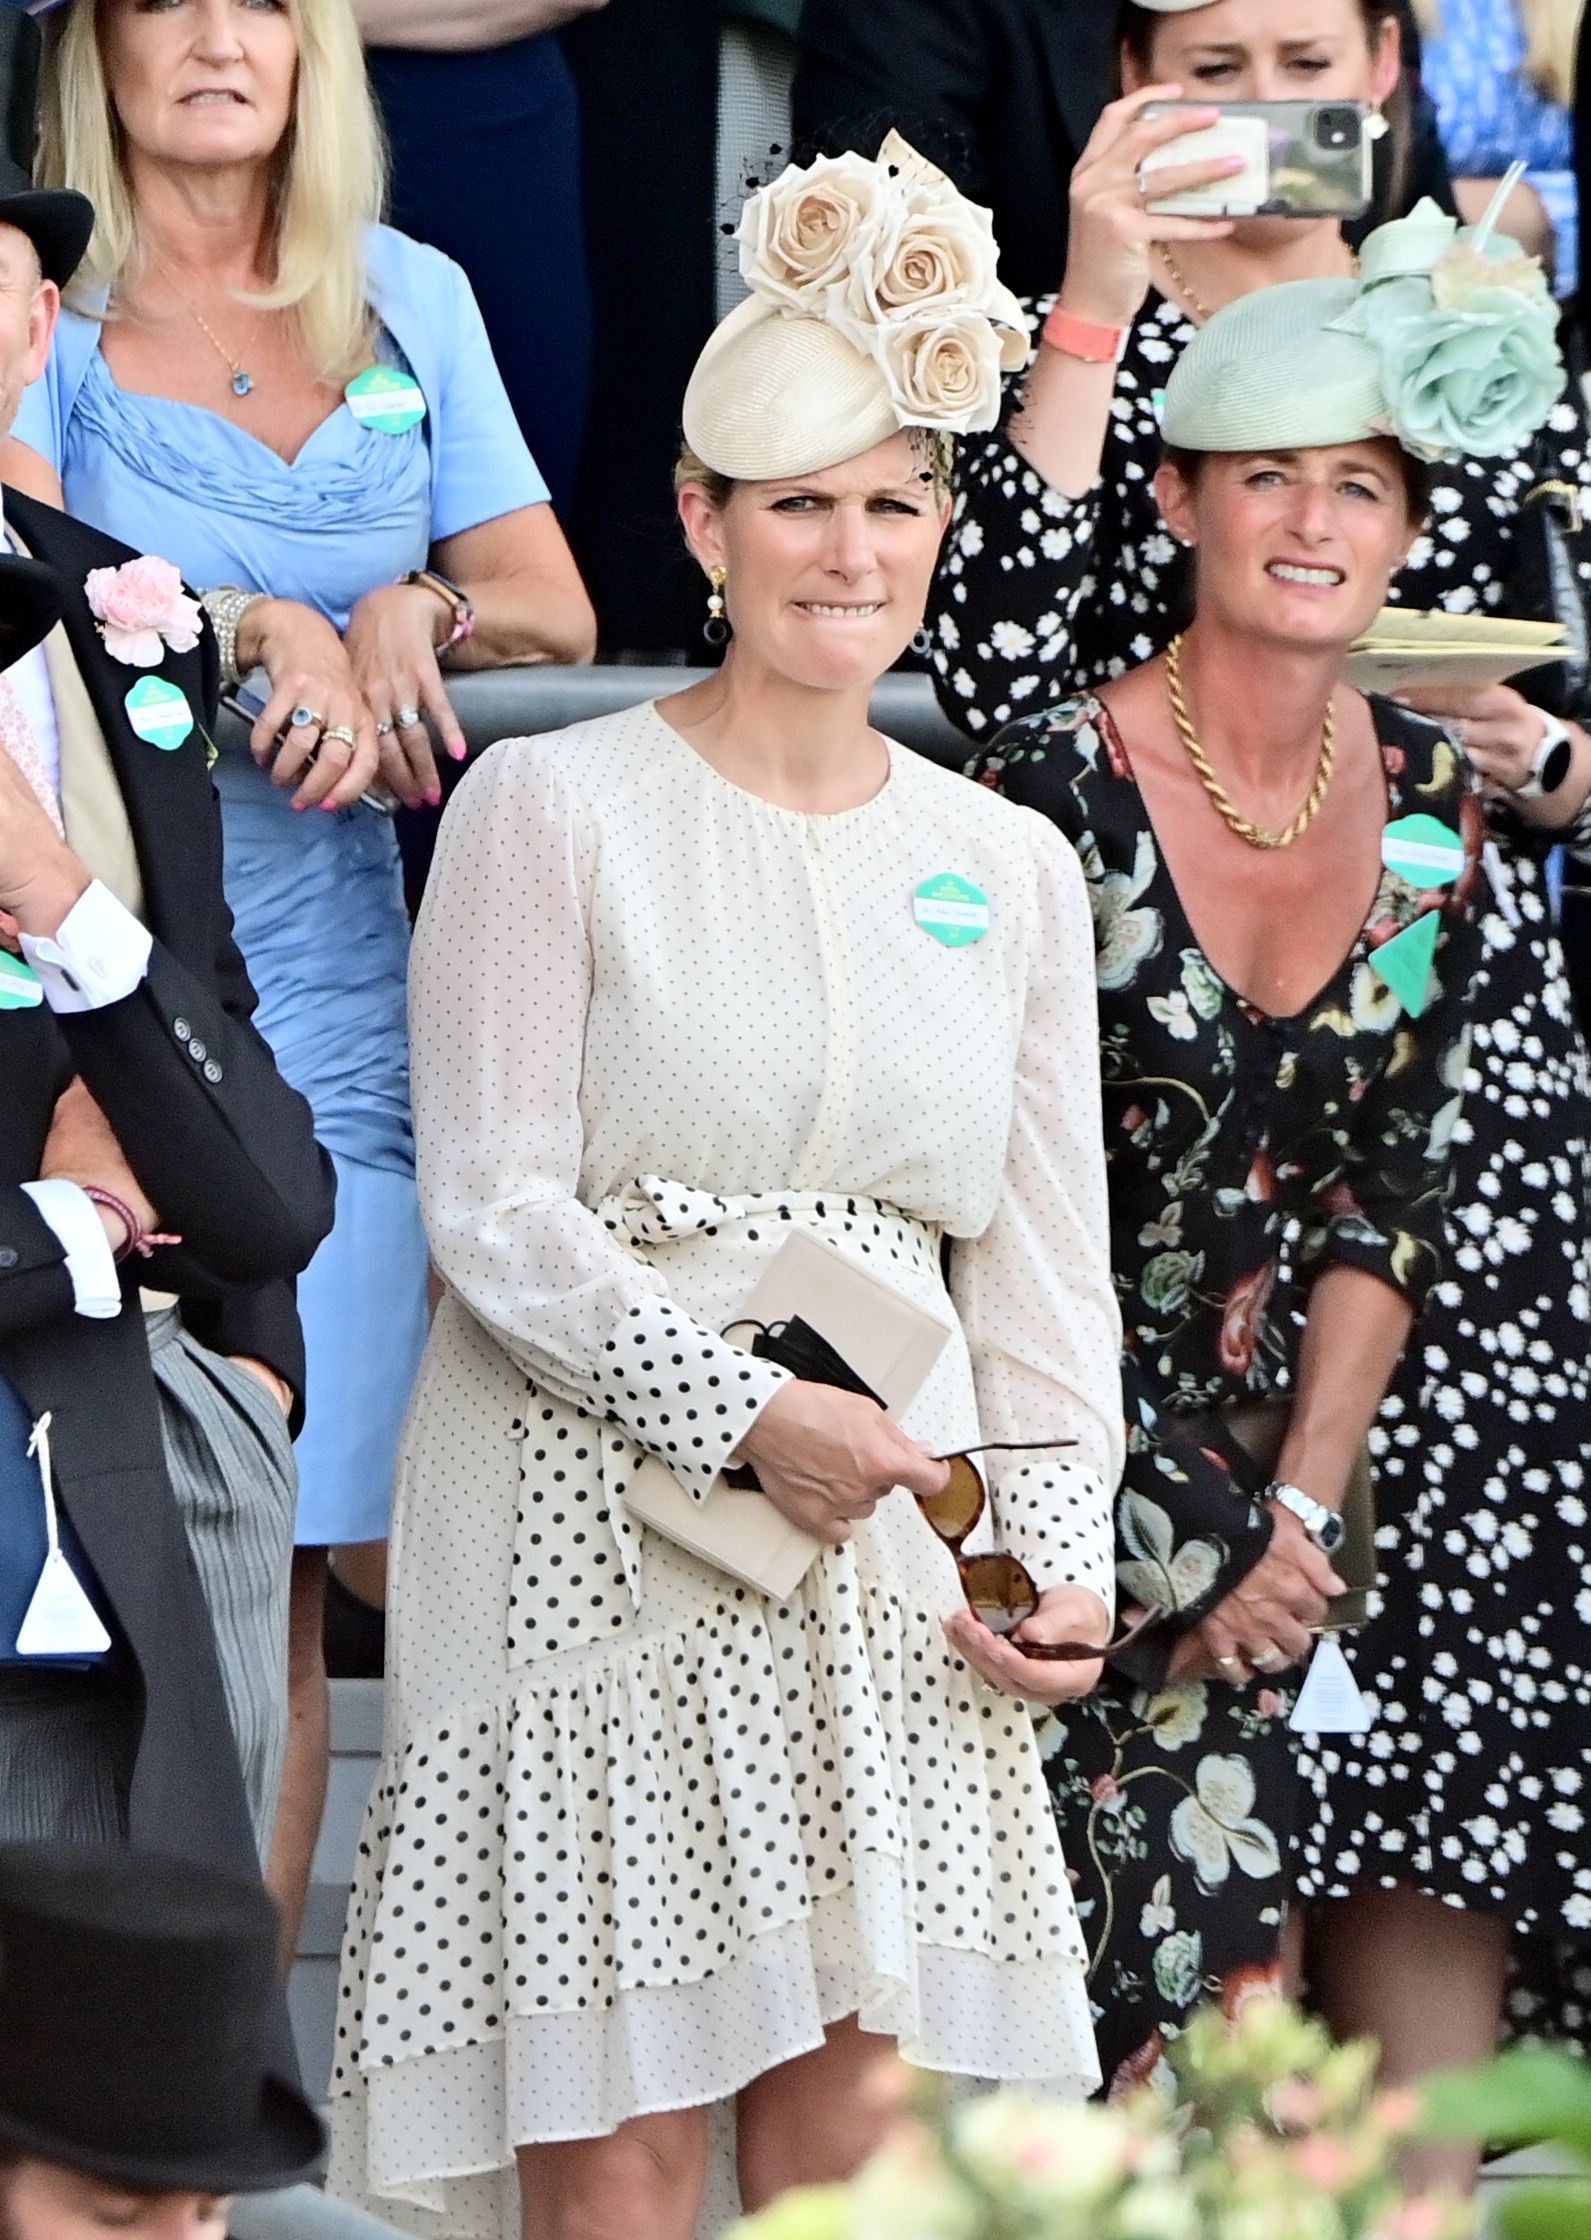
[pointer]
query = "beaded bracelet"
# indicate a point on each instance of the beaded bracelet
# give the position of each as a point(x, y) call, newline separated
point(139, 1240)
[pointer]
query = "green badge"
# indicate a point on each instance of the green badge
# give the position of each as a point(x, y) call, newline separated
point(1405, 962)
point(1424, 851)
point(19, 984)
point(159, 712)
point(386, 399)
point(953, 910)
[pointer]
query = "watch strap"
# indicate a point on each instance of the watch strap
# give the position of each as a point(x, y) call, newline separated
point(1555, 747)
point(429, 579)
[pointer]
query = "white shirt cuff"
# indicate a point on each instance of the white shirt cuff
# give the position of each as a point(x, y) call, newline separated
point(98, 954)
point(96, 1289)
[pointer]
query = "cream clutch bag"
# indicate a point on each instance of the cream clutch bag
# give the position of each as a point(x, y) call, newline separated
point(890, 1341)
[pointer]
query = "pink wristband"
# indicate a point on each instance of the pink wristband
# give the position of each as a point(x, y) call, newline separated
point(140, 1240)
point(1080, 338)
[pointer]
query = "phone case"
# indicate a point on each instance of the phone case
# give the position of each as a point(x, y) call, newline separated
point(889, 1340)
point(1303, 159)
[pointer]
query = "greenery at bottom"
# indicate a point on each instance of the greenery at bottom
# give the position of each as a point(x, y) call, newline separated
point(1271, 2132)
point(1535, 2095)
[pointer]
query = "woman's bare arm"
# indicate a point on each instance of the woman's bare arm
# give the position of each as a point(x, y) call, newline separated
point(463, 26)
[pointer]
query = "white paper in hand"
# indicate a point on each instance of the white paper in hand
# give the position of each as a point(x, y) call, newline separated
point(1329, 1701)
point(61, 1621)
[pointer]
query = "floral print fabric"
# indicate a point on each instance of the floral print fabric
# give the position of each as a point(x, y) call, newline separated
point(1244, 1152)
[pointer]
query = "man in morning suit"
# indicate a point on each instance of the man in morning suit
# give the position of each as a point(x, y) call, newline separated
point(135, 1097)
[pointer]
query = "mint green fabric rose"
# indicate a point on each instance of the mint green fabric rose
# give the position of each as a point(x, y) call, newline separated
point(1466, 332)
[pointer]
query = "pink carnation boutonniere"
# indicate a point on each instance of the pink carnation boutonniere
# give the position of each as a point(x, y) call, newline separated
point(142, 610)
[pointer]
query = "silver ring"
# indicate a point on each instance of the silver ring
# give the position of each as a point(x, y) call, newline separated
point(301, 718)
point(385, 730)
point(342, 732)
point(1227, 1664)
point(406, 718)
point(1267, 1660)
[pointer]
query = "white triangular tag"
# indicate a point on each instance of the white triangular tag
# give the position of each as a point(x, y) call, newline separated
point(1329, 1701)
point(61, 1621)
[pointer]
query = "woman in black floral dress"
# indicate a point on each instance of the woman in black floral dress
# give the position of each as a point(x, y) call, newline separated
point(1471, 1786)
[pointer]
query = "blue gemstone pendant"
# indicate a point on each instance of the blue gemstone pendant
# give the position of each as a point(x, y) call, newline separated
point(241, 384)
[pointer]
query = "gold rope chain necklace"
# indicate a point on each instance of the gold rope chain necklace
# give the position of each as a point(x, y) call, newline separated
point(1256, 835)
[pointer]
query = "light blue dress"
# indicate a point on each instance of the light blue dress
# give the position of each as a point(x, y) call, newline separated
point(1490, 113)
point(318, 899)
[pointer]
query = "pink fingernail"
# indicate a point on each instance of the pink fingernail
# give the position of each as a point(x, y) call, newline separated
point(330, 808)
point(459, 752)
point(433, 797)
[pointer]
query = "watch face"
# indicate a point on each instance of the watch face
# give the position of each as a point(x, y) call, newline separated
point(1555, 765)
point(1331, 1535)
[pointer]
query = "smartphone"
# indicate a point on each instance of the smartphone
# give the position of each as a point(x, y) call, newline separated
point(1301, 159)
point(248, 706)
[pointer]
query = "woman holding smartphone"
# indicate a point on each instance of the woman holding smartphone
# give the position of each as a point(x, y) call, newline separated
point(1062, 573)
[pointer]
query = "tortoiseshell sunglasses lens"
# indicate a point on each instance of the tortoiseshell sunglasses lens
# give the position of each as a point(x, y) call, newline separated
point(953, 1512)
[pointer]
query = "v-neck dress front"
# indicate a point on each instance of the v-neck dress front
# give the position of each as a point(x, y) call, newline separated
point(1245, 1153)
point(638, 1833)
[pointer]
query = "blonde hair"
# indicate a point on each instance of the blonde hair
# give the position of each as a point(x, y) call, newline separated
point(1551, 29)
point(330, 177)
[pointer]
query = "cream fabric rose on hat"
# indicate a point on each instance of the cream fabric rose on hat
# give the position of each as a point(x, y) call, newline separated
point(800, 237)
point(940, 366)
point(876, 305)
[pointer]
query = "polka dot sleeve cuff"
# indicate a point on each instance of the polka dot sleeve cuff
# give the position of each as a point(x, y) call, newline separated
point(1050, 1517)
point(681, 1392)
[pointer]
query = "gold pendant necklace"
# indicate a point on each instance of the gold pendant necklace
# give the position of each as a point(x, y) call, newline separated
point(1256, 835)
point(1179, 280)
point(242, 381)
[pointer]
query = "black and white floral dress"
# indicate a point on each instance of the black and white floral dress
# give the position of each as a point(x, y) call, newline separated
point(1245, 1153)
point(1474, 1782)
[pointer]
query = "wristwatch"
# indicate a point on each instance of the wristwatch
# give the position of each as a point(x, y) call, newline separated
point(427, 579)
point(1323, 1525)
point(1550, 765)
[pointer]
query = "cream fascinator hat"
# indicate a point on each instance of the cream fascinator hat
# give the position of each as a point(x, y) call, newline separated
point(1448, 341)
point(874, 306)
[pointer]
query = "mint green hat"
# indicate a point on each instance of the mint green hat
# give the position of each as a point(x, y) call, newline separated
point(1447, 341)
point(1271, 372)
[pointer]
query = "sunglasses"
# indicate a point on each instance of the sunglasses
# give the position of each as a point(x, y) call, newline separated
point(999, 1588)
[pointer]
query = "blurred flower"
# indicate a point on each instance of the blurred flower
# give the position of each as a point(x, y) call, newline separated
point(142, 609)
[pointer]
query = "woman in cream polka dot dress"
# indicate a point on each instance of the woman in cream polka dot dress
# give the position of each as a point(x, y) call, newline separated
point(646, 1842)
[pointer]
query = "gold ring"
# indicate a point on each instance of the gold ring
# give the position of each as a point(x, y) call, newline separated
point(342, 732)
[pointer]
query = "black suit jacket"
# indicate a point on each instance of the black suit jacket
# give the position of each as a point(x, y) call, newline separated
point(224, 1149)
point(1001, 94)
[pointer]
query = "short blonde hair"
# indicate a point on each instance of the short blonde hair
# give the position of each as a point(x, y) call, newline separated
point(330, 176)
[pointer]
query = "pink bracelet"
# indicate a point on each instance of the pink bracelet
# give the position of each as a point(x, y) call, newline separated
point(1081, 338)
point(140, 1240)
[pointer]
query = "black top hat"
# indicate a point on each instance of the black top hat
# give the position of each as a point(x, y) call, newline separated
point(56, 220)
point(32, 601)
point(135, 1998)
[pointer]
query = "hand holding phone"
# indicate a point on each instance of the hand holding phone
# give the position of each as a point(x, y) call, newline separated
point(1113, 235)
